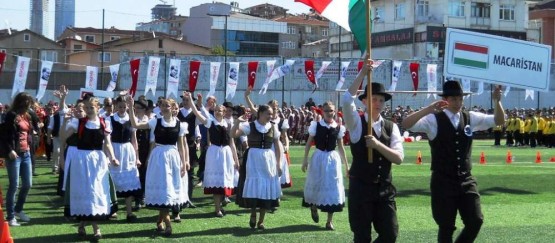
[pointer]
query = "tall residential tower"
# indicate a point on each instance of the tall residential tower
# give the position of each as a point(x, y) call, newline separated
point(39, 17)
point(65, 16)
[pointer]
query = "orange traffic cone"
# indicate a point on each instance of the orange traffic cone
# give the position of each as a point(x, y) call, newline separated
point(509, 157)
point(419, 158)
point(5, 235)
point(538, 158)
point(482, 158)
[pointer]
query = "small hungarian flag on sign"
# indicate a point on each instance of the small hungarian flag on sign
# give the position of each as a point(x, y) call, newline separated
point(470, 55)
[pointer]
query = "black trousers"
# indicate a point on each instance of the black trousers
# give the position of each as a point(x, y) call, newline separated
point(452, 194)
point(372, 203)
point(532, 137)
point(497, 137)
point(539, 138)
point(518, 138)
point(193, 159)
point(510, 140)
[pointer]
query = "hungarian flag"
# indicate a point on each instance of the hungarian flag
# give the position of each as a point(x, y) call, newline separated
point(252, 66)
point(193, 75)
point(134, 66)
point(349, 14)
point(470, 55)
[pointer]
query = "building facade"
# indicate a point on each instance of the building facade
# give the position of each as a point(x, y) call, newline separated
point(64, 11)
point(302, 30)
point(246, 35)
point(173, 26)
point(39, 17)
point(266, 11)
point(405, 29)
point(542, 15)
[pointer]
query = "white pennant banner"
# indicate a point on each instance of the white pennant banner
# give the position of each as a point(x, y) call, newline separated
point(173, 79)
point(506, 92)
point(395, 73)
point(431, 74)
point(232, 80)
point(279, 72)
point(529, 93)
point(20, 78)
point(45, 70)
point(152, 75)
point(91, 78)
point(214, 72)
point(320, 73)
point(270, 65)
point(344, 67)
point(114, 72)
point(480, 88)
point(466, 87)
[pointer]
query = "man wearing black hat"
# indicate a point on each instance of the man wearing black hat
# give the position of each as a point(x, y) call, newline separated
point(452, 186)
point(371, 192)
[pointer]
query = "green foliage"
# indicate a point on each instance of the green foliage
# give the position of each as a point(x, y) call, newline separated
point(517, 201)
point(219, 50)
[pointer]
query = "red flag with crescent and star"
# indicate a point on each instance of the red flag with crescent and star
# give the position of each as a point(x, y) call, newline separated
point(2, 58)
point(253, 66)
point(134, 64)
point(413, 67)
point(193, 75)
point(309, 71)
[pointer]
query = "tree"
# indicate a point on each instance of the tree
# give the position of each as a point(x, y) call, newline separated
point(219, 50)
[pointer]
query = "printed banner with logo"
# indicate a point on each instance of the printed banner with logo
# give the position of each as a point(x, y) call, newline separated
point(232, 80)
point(395, 74)
point(20, 78)
point(344, 67)
point(270, 65)
point(214, 72)
point(173, 78)
point(114, 72)
point(45, 70)
point(431, 74)
point(91, 78)
point(152, 75)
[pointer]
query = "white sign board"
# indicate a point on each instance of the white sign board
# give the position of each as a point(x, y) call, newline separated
point(495, 59)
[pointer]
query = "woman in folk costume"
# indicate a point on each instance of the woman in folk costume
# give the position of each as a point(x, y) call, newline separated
point(90, 189)
point(143, 147)
point(260, 171)
point(283, 127)
point(124, 142)
point(68, 143)
point(167, 165)
point(324, 188)
point(183, 197)
point(221, 156)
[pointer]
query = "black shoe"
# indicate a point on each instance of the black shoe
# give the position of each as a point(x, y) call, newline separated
point(252, 222)
point(219, 214)
point(314, 214)
point(131, 218)
point(329, 226)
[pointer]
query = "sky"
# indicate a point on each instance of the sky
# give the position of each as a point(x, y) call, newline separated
point(123, 14)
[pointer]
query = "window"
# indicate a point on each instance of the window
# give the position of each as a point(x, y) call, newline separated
point(480, 10)
point(308, 29)
point(291, 30)
point(379, 14)
point(77, 47)
point(422, 8)
point(89, 38)
point(26, 37)
point(325, 32)
point(114, 37)
point(507, 12)
point(49, 56)
point(107, 57)
point(288, 45)
point(456, 8)
point(399, 11)
point(160, 43)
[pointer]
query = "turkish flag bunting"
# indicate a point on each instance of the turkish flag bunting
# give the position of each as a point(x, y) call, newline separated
point(253, 66)
point(414, 74)
point(309, 70)
point(134, 64)
point(193, 75)
point(2, 58)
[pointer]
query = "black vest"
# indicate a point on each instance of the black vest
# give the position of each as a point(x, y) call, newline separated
point(380, 169)
point(190, 119)
point(90, 139)
point(72, 140)
point(121, 133)
point(260, 140)
point(219, 135)
point(326, 138)
point(56, 127)
point(166, 135)
point(451, 148)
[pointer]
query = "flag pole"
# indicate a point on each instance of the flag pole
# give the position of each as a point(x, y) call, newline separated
point(369, 75)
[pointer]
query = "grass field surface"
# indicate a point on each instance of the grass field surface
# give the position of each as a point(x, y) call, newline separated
point(518, 202)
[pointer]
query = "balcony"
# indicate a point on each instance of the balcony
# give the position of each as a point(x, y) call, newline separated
point(480, 22)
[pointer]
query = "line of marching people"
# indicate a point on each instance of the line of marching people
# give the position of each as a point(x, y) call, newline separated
point(533, 128)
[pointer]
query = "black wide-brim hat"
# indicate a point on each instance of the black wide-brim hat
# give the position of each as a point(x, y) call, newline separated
point(377, 89)
point(452, 88)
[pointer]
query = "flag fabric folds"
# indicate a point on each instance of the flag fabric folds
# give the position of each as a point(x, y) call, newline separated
point(134, 66)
